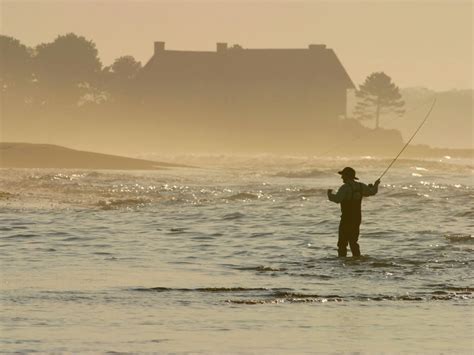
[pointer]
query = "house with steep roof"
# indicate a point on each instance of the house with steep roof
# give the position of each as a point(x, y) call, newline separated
point(253, 86)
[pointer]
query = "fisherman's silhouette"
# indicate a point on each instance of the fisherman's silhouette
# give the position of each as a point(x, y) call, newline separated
point(350, 196)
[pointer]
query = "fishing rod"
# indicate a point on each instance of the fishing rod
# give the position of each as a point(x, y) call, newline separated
point(413, 136)
point(363, 134)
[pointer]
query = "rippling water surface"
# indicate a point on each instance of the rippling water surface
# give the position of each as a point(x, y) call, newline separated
point(236, 255)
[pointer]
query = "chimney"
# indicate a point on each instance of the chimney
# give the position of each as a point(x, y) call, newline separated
point(221, 47)
point(313, 47)
point(159, 47)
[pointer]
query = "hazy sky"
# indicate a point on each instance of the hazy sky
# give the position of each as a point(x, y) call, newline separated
point(418, 43)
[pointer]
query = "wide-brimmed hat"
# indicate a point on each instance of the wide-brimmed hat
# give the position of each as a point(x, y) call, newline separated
point(349, 172)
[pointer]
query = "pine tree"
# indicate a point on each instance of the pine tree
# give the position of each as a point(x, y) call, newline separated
point(378, 95)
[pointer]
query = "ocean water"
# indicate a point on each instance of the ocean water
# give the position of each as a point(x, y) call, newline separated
point(236, 255)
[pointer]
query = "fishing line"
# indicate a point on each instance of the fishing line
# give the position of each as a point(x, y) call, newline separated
point(413, 136)
point(357, 137)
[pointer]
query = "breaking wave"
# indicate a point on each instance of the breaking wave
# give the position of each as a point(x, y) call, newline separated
point(122, 203)
point(232, 216)
point(303, 174)
point(242, 196)
point(258, 295)
point(460, 237)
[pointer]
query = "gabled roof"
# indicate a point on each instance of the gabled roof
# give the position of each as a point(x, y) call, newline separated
point(315, 65)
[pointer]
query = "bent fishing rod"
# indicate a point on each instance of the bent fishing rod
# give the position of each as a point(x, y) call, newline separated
point(407, 143)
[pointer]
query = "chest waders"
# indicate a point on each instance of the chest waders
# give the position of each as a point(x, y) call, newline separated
point(350, 222)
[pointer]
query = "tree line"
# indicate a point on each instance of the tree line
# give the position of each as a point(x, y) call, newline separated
point(66, 71)
point(69, 72)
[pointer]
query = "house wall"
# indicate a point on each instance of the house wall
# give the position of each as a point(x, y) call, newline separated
point(280, 92)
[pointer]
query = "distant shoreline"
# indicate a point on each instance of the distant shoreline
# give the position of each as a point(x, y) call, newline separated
point(424, 151)
point(416, 151)
point(30, 155)
point(48, 156)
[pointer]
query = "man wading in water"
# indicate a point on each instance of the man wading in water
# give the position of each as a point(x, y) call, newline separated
point(350, 196)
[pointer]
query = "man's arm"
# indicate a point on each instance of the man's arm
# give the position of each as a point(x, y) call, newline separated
point(370, 190)
point(339, 196)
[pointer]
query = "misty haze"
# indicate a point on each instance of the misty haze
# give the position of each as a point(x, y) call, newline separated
point(236, 177)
